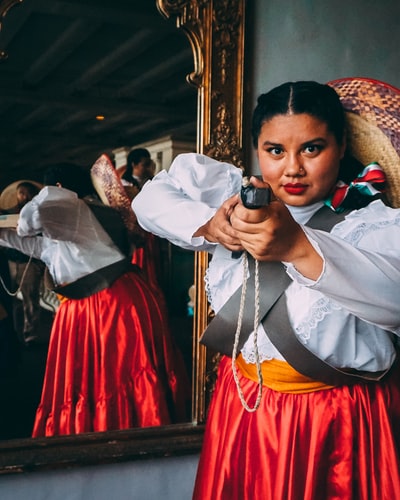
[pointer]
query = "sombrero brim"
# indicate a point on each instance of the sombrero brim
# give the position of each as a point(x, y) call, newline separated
point(373, 121)
point(8, 197)
point(109, 187)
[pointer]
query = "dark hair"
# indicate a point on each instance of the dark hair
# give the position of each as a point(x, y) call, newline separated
point(70, 176)
point(32, 189)
point(134, 157)
point(308, 97)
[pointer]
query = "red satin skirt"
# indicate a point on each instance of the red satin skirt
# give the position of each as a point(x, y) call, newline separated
point(341, 443)
point(148, 258)
point(112, 364)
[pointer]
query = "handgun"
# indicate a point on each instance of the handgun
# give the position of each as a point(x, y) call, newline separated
point(253, 197)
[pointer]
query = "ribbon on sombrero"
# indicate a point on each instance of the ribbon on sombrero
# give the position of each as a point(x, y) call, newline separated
point(370, 182)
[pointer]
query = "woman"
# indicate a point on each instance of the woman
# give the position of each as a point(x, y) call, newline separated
point(30, 286)
point(139, 168)
point(273, 431)
point(111, 361)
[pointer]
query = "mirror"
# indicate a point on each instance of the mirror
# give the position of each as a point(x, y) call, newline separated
point(126, 63)
point(215, 30)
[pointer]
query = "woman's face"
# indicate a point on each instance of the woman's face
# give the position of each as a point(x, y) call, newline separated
point(23, 195)
point(299, 157)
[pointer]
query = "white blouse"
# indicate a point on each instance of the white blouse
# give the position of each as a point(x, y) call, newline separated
point(61, 230)
point(349, 316)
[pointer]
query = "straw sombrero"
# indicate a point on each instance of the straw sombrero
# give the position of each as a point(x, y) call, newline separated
point(8, 197)
point(109, 187)
point(373, 121)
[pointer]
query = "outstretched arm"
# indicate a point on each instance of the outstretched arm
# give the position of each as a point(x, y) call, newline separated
point(179, 204)
point(28, 246)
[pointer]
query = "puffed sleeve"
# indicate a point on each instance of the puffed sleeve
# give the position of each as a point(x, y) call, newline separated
point(176, 203)
point(28, 246)
point(361, 264)
point(54, 212)
point(59, 214)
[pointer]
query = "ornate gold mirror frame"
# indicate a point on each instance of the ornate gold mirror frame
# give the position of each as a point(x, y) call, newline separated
point(215, 29)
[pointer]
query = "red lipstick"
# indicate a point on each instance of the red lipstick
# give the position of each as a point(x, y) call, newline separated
point(295, 189)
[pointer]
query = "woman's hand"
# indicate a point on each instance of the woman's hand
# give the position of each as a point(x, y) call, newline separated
point(219, 228)
point(271, 234)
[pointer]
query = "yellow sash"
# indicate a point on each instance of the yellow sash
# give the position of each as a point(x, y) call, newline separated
point(280, 376)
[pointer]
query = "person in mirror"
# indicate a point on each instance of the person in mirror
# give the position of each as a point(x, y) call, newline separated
point(27, 274)
point(139, 168)
point(111, 363)
point(304, 438)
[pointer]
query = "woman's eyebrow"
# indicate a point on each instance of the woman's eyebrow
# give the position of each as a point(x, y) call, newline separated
point(305, 143)
point(312, 141)
point(270, 143)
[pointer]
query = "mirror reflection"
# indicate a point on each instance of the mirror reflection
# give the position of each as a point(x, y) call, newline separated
point(82, 79)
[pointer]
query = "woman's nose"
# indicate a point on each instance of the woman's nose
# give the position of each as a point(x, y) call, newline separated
point(294, 166)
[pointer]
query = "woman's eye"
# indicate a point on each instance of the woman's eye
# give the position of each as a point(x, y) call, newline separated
point(275, 151)
point(312, 149)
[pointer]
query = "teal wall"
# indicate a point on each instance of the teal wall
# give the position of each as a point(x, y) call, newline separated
point(325, 39)
point(320, 40)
